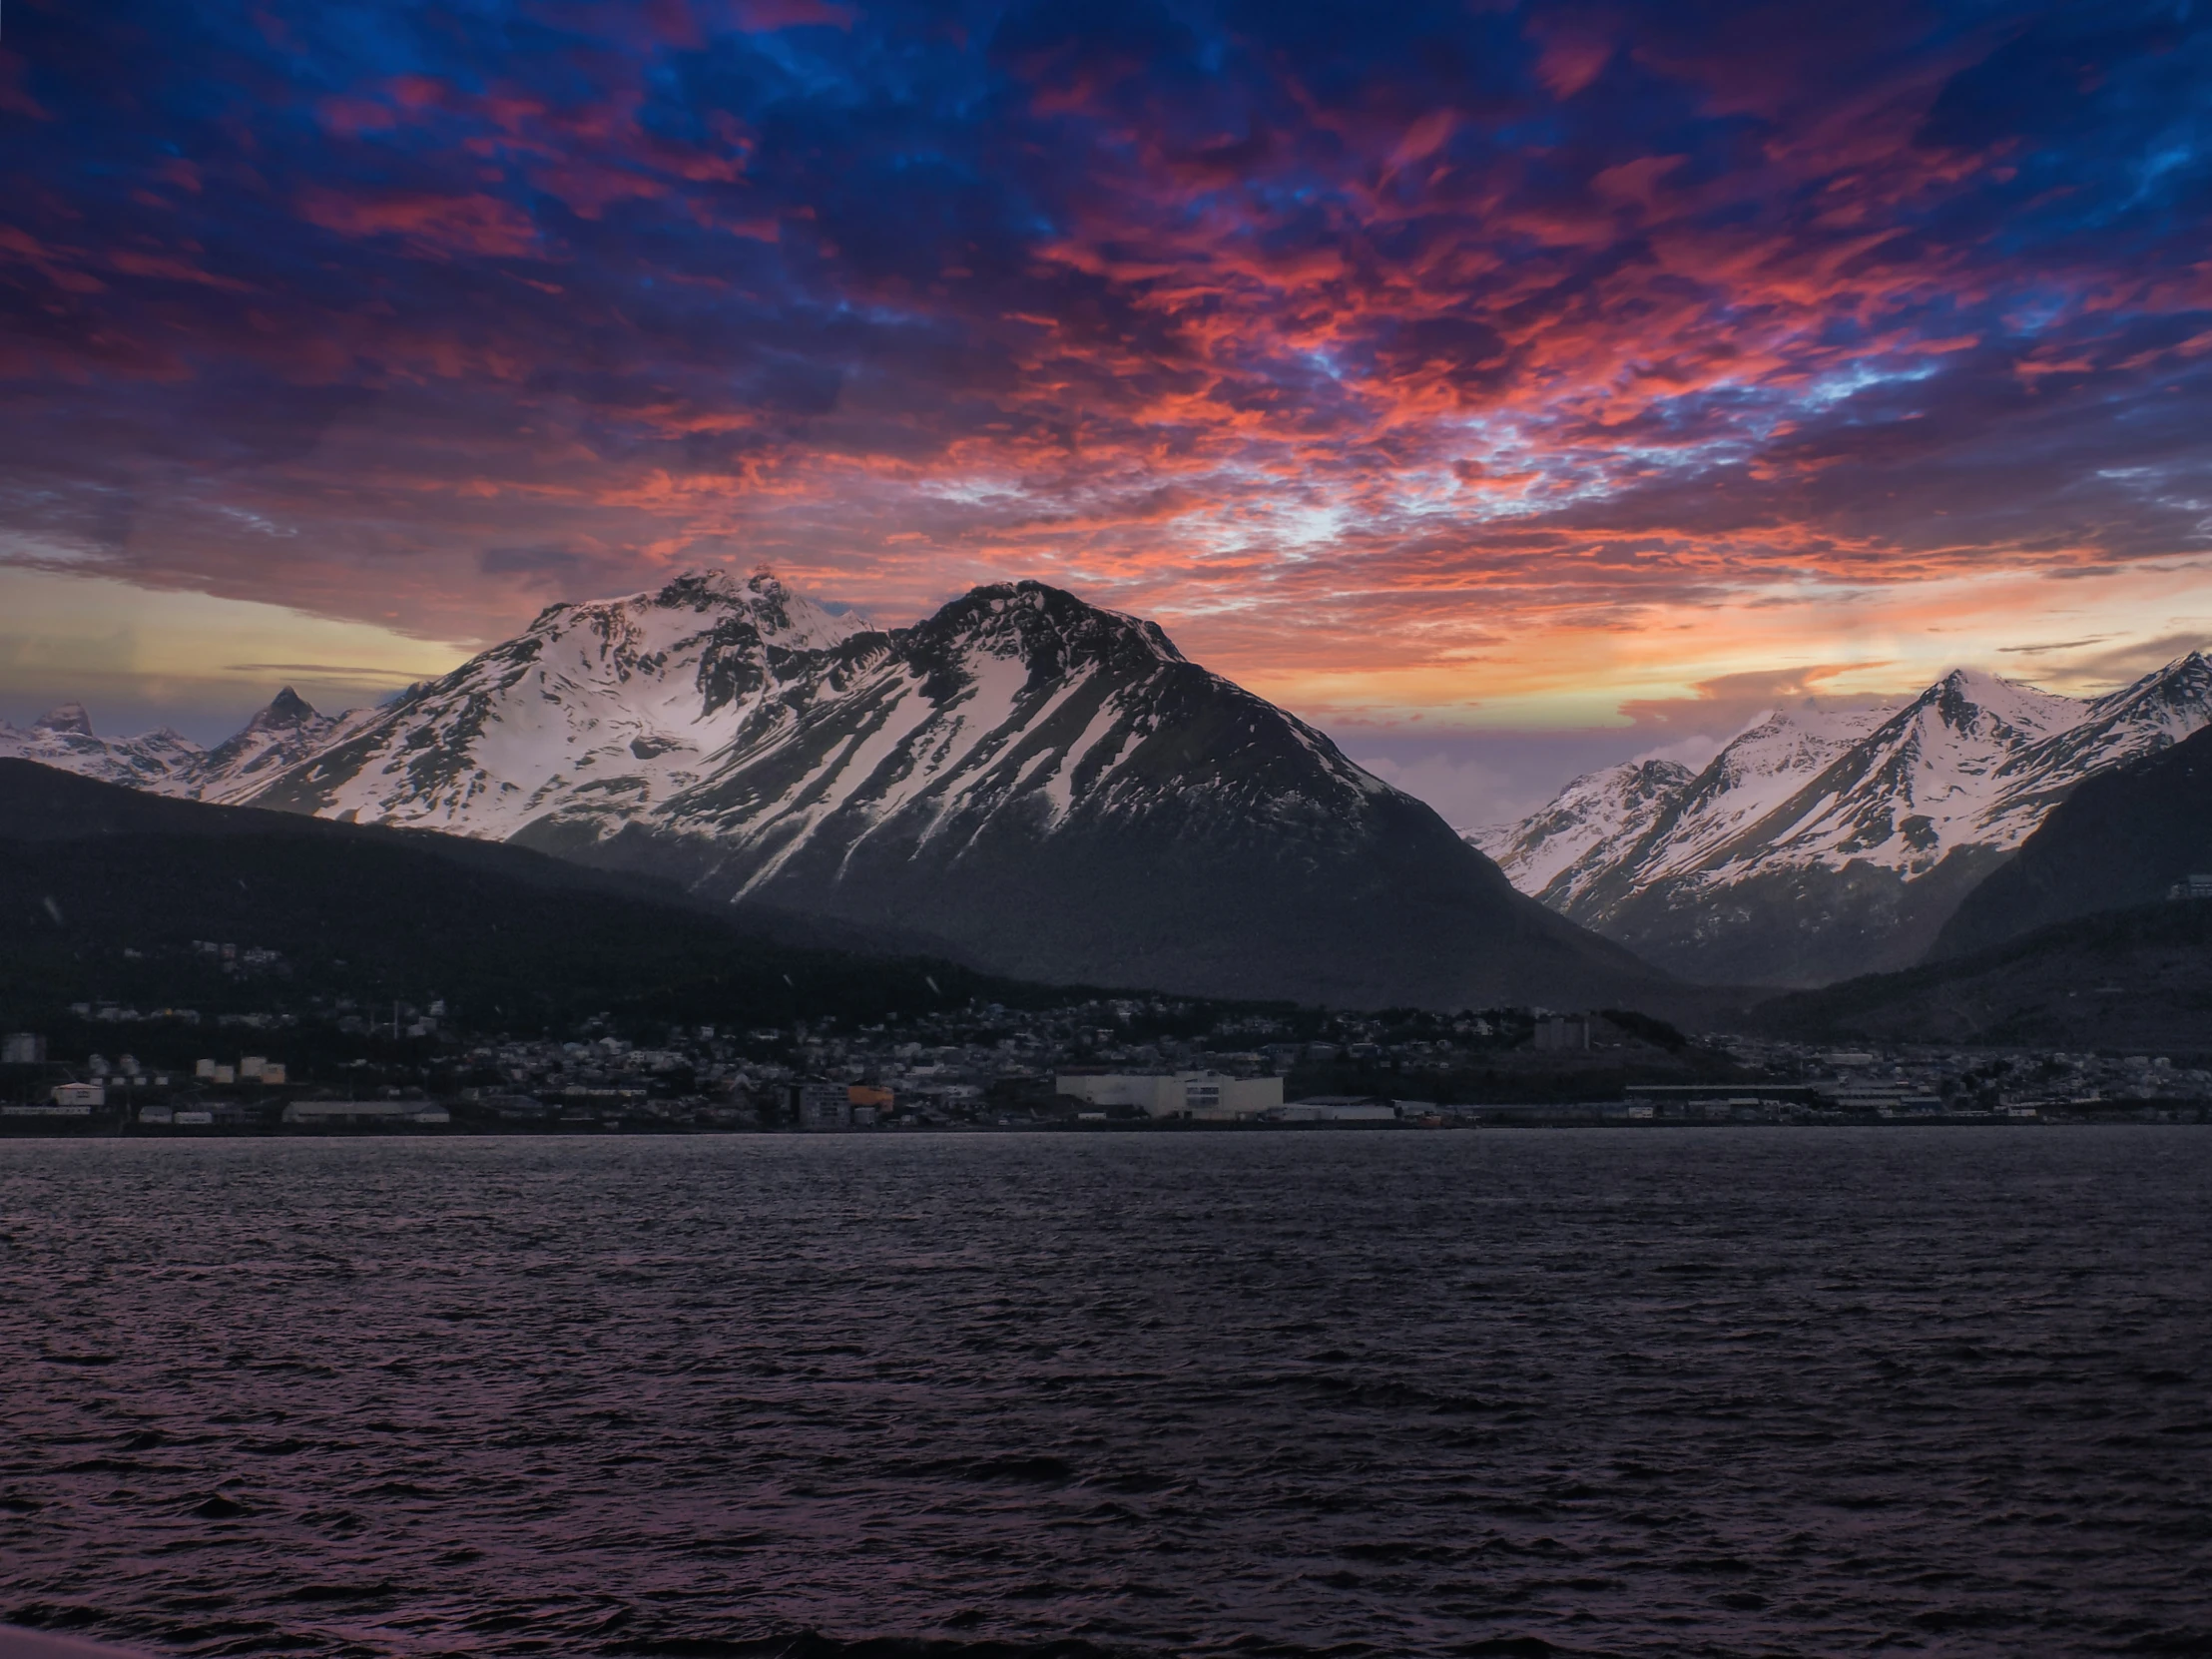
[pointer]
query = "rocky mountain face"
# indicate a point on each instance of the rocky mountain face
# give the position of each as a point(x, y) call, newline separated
point(2125, 837)
point(1032, 784)
point(1820, 845)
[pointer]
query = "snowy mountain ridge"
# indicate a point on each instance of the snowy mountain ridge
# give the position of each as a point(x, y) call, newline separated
point(601, 711)
point(1052, 789)
point(1830, 817)
point(1027, 781)
point(1012, 700)
point(164, 761)
point(749, 716)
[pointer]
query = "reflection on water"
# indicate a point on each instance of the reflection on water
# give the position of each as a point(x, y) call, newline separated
point(1716, 1393)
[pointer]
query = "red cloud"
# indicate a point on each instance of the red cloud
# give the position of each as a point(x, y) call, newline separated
point(430, 226)
point(1345, 353)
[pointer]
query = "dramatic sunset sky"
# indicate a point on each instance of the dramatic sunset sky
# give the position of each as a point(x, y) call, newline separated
point(1505, 388)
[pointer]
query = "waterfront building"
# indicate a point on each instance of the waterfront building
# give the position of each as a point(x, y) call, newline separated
point(1203, 1095)
point(822, 1105)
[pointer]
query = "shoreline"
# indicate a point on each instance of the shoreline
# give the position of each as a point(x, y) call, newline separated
point(2196, 1116)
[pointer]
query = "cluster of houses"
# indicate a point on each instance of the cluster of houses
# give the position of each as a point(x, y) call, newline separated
point(1108, 1062)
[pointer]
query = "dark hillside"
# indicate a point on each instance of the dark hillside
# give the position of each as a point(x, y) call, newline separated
point(104, 892)
point(2133, 980)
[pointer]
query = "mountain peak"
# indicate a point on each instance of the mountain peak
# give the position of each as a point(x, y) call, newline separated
point(1979, 685)
point(708, 584)
point(162, 760)
point(1838, 849)
point(1048, 625)
point(1964, 694)
point(286, 708)
point(2186, 662)
point(2192, 669)
point(783, 615)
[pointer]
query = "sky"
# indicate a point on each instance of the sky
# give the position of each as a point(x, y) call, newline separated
point(1504, 388)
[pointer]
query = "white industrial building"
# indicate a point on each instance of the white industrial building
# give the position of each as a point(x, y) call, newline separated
point(1179, 1094)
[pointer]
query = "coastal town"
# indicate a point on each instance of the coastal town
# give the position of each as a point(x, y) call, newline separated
point(1111, 1064)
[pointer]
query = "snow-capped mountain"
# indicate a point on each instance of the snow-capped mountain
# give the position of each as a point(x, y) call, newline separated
point(1043, 788)
point(280, 735)
point(1587, 826)
point(596, 713)
point(1046, 789)
point(1822, 843)
point(1010, 704)
point(164, 762)
point(2154, 713)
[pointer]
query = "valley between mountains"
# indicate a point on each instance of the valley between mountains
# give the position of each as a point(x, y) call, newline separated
point(1041, 789)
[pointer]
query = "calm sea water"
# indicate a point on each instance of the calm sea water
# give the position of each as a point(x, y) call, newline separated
point(1736, 1391)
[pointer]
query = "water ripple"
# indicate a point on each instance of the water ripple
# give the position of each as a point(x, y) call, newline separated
point(1737, 1392)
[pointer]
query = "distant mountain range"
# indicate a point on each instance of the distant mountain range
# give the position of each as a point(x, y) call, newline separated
point(1820, 845)
point(1043, 788)
point(169, 762)
point(2128, 836)
point(1034, 785)
point(2076, 941)
point(164, 762)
